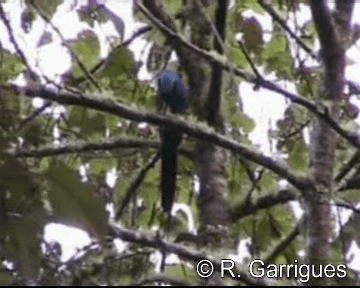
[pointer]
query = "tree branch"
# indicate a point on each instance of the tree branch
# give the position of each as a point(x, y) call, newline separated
point(280, 247)
point(249, 207)
point(156, 242)
point(135, 184)
point(80, 147)
point(197, 131)
point(33, 115)
point(348, 166)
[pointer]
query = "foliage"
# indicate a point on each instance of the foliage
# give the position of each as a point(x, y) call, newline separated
point(38, 191)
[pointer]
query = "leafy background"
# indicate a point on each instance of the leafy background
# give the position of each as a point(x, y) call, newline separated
point(77, 45)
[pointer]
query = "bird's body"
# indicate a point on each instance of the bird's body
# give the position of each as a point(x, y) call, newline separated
point(173, 92)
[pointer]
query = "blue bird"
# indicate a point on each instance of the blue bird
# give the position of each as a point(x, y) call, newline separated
point(173, 92)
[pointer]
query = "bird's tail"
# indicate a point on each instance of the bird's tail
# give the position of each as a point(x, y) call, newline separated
point(170, 142)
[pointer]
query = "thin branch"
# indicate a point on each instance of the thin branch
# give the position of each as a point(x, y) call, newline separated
point(127, 42)
point(109, 144)
point(33, 115)
point(136, 34)
point(249, 60)
point(15, 44)
point(186, 253)
point(135, 184)
point(213, 28)
point(250, 206)
point(354, 160)
point(63, 40)
point(281, 246)
point(198, 131)
point(319, 110)
point(348, 206)
point(272, 12)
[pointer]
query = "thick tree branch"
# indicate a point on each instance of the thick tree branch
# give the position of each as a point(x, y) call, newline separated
point(344, 10)
point(247, 207)
point(325, 28)
point(197, 131)
point(319, 229)
point(156, 242)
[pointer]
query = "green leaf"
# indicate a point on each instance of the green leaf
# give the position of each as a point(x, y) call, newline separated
point(22, 228)
point(87, 50)
point(151, 187)
point(24, 242)
point(277, 57)
point(87, 122)
point(6, 279)
point(268, 182)
point(172, 6)
point(298, 156)
point(241, 120)
point(10, 66)
point(182, 273)
point(350, 195)
point(75, 203)
point(48, 7)
point(102, 164)
point(119, 65)
point(276, 46)
point(252, 31)
point(249, 4)
point(32, 133)
point(237, 57)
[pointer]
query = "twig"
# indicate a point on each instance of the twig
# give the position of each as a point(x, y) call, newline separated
point(354, 160)
point(280, 247)
point(127, 42)
point(14, 42)
point(249, 60)
point(63, 40)
point(139, 32)
point(268, 8)
point(33, 115)
point(348, 206)
point(135, 184)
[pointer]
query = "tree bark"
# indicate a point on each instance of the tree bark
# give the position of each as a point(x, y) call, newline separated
point(319, 228)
